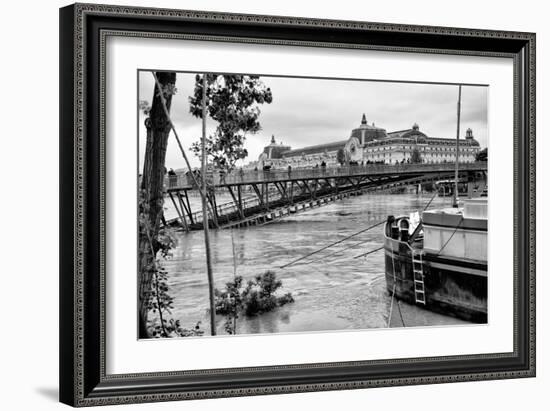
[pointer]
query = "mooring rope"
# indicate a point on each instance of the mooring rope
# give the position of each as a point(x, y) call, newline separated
point(368, 252)
point(400, 314)
point(333, 244)
point(394, 285)
point(431, 199)
point(347, 238)
point(451, 236)
point(393, 293)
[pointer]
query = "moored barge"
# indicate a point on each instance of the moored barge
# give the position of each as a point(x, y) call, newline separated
point(438, 260)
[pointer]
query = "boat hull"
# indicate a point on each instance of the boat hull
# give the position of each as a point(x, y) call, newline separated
point(456, 287)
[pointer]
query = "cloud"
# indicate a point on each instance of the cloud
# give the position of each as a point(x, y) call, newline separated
point(316, 111)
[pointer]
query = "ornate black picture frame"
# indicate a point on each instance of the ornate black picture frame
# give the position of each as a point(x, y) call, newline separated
point(83, 30)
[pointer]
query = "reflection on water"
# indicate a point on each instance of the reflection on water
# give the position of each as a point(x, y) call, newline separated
point(332, 290)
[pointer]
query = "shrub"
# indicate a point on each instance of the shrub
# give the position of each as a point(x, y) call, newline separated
point(172, 328)
point(257, 297)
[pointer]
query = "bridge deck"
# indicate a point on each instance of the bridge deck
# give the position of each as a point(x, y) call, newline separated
point(185, 181)
point(280, 194)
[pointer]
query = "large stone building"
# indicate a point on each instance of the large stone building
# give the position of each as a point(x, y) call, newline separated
point(371, 144)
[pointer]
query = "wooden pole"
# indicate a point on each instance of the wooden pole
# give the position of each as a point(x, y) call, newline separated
point(240, 197)
point(234, 278)
point(164, 106)
point(455, 200)
point(205, 214)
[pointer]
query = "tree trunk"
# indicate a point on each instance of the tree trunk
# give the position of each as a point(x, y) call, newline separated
point(151, 196)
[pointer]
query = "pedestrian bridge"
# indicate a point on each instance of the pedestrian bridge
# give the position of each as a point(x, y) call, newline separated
point(259, 197)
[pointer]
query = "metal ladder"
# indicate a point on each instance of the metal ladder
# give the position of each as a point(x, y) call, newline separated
point(418, 277)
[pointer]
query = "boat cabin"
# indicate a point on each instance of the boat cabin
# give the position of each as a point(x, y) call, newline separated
point(456, 232)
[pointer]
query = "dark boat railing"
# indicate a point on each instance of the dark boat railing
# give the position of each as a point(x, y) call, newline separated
point(397, 245)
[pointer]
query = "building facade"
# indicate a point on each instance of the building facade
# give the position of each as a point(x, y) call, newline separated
point(371, 144)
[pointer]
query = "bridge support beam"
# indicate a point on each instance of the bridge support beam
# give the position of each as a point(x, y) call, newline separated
point(189, 211)
point(260, 196)
point(281, 188)
point(180, 215)
point(211, 198)
point(186, 206)
point(238, 202)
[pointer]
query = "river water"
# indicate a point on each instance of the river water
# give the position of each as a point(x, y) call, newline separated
point(332, 290)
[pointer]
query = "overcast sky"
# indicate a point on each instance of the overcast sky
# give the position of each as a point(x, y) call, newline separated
point(316, 111)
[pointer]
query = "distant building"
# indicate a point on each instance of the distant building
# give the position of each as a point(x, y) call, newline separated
point(273, 150)
point(371, 144)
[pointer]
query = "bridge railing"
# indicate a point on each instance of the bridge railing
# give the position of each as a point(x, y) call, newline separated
point(185, 181)
point(227, 208)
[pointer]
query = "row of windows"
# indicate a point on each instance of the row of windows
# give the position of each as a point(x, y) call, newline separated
point(430, 142)
point(423, 149)
point(383, 155)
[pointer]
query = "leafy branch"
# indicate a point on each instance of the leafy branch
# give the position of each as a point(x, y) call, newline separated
point(232, 101)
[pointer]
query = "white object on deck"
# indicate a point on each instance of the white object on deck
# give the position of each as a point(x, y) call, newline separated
point(414, 220)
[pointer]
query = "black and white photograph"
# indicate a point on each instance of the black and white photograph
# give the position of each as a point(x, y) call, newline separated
point(271, 204)
point(275, 206)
